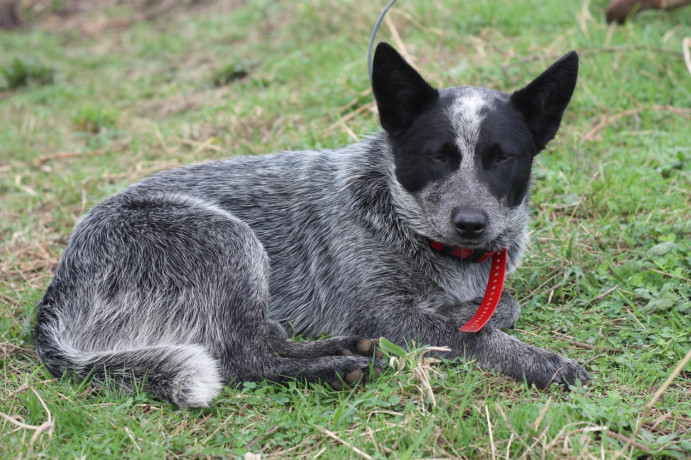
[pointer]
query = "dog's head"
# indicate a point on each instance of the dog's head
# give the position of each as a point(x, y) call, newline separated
point(464, 154)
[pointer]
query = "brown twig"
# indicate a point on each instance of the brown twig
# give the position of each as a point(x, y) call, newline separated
point(686, 48)
point(7, 349)
point(422, 370)
point(46, 426)
point(581, 199)
point(354, 101)
point(608, 120)
point(574, 342)
point(492, 447)
point(198, 146)
point(335, 437)
point(10, 300)
point(589, 52)
point(513, 430)
point(416, 23)
point(265, 435)
point(397, 40)
point(626, 439)
point(646, 410)
point(541, 415)
point(62, 155)
point(341, 121)
point(601, 296)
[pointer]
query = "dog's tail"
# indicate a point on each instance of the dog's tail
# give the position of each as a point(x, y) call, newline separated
point(186, 375)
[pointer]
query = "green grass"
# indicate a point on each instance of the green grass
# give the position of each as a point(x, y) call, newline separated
point(606, 282)
point(19, 74)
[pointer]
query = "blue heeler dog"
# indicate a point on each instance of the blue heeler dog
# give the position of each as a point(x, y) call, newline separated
point(189, 279)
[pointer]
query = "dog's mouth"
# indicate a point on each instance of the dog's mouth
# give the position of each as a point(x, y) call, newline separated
point(480, 245)
point(486, 243)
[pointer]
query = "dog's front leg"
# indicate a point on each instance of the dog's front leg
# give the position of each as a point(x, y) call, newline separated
point(507, 313)
point(490, 347)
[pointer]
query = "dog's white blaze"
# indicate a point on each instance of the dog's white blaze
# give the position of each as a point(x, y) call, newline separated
point(467, 117)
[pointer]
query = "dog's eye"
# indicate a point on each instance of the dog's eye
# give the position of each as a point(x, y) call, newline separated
point(447, 156)
point(499, 157)
point(439, 159)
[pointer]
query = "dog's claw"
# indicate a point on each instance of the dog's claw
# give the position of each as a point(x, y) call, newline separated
point(567, 377)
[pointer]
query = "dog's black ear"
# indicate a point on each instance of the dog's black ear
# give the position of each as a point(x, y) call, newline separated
point(544, 100)
point(401, 93)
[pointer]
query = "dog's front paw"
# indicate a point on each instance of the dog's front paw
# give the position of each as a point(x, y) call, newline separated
point(556, 369)
point(567, 376)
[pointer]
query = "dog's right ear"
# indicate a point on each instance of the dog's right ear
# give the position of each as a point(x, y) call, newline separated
point(401, 93)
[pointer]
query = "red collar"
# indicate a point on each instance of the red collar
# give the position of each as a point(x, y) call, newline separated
point(495, 283)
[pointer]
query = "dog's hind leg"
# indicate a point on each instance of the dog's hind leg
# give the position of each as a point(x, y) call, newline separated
point(247, 345)
point(169, 291)
point(333, 346)
point(334, 370)
point(228, 270)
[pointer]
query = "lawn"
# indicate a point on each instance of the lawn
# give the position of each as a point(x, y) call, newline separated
point(94, 95)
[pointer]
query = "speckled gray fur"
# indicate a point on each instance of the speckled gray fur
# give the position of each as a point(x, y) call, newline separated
point(192, 277)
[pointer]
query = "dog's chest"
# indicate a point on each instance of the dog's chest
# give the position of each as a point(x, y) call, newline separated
point(462, 281)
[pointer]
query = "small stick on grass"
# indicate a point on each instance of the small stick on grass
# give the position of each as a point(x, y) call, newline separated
point(341, 121)
point(601, 296)
point(397, 40)
point(541, 415)
point(623, 438)
point(514, 432)
point(46, 426)
point(335, 437)
point(686, 48)
point(646, 410)
point(134, 441)
point(491, 435)
point(63, 155)
point(612, 118)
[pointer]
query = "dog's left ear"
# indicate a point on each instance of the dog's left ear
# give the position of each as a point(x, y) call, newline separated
point(544, 100)
point(401, 93)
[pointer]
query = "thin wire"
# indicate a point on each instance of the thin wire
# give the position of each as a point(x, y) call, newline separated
point(374, 34)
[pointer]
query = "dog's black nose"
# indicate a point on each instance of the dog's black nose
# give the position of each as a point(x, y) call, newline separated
point(470, 223)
